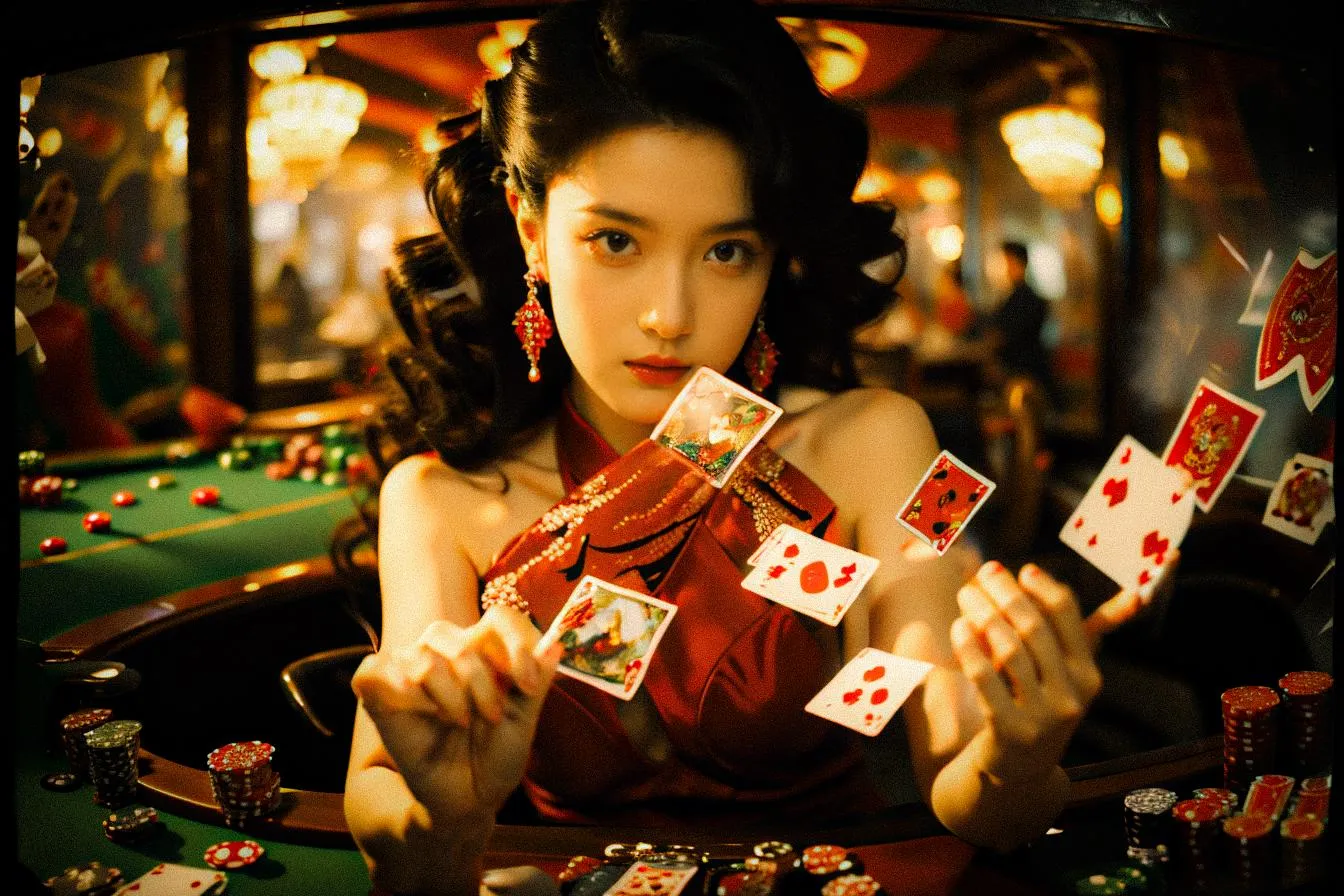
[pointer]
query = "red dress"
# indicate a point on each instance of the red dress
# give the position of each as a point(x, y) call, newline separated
point(733, 671)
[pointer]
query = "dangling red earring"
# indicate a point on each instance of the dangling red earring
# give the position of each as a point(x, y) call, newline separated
point(762, 356)
point(532, 326)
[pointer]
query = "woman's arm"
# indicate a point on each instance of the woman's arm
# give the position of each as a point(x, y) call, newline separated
point(985, 746)
point(447, 706)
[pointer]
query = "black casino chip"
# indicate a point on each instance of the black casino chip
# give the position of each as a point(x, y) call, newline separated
point(89, 879)
point(61, 782)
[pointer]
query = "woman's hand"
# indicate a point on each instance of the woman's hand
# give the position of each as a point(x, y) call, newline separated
point(457, 710)
point(1028, 653)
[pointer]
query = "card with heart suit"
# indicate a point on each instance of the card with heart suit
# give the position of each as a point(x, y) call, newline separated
point(1134, 515)
point(714, 423)
point(809, 574)
point(168, 879)
point(1214, 435)
point(942, 505)
point(1301, 327)
point(866, 693)
point(1303, 500)
point(653, 879)
point(608, 635)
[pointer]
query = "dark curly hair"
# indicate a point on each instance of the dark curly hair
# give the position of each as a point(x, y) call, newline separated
point(588, 69)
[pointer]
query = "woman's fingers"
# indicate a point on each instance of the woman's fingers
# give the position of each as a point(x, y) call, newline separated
point(1027, 619)
point(1004, 645)
point(995, 699)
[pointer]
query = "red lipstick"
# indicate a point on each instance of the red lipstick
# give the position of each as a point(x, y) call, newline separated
point(657, 370)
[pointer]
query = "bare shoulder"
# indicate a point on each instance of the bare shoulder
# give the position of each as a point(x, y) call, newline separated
point(850, 441)
point(476, 511)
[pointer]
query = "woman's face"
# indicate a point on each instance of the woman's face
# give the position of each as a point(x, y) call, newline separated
point(656, 266)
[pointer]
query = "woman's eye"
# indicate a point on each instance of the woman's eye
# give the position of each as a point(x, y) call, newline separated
point(732, 252)
point(611, 242)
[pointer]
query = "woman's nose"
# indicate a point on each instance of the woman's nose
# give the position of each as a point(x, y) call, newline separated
point(668, 308)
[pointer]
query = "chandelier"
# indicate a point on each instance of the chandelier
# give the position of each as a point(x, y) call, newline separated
point(307, 119)
point(1057, 147)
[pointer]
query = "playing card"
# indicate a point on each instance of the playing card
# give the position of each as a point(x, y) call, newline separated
point(1300, 327)
point(1134, 515)
point(765, 545)
point(809, 574)
point(167, 879)
point(653, 879)
point(1303, 499)
point(1214, 435)
point(714, 423)
point(944, 501)
point(866, 693)
point(608, 634)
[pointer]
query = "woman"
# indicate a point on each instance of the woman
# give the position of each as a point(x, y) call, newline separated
point(664, 187)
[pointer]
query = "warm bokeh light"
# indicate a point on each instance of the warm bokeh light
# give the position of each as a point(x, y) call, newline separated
point(1057, 148)
point(175, 141)
point(1110, 207)
point(278, 61)
point(937, 187)
point(49, 142)
point(1172, 157)
point(495, 50)
point(28, 90)
point(836, 55)
point(946, 242)
point(875, 183)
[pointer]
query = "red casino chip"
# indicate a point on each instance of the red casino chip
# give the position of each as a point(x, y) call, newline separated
point(1306, 684)
point(205, 496)
point(825, 859)
point(97, 521)
point(578, 867)
point(852, 885)
point(234, 854)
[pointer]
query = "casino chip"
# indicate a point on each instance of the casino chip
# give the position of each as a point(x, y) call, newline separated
point(89, 879)
point(62, 782)
point(52, 546)
point(234, 854)
point(132, 824)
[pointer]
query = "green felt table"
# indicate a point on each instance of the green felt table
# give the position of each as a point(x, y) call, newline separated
point(161, 545)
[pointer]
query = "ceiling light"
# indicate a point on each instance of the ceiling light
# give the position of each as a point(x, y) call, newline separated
point(1057, 148)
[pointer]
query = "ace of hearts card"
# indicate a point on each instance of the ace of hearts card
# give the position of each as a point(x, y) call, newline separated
point(1303, 500)
point(808, 574)
point(608, 635)
point(1214, 435)
point(1300, 328)
point(1133, 517)
point(714, 423)
point(866, 693)
point(942, 505)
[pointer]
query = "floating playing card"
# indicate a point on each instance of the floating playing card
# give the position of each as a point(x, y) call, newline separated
point(167, 879)
point(809, 574)
point(1133, 517)
point(714, 423)
point(1214, 435)
point(1300, 327)
point(608, 634)
point(653, 879)
point(944, 502)
point(867, 692)
point(1303, 499)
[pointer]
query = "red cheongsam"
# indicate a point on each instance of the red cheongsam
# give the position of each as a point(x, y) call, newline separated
point(731, 674)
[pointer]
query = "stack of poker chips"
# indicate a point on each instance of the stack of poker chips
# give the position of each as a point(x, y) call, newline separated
point(131, 825)
point(1250, 735)
point(1312, 799)
point(1196, 837)
point(244, 784)
point(1251, 850)
point(1306, 722)
point(73, 728)
point(1148, 823)
point(334, 457)
point(1302, 850)
point(1268, 796)
point(823, 863)
point(113, 754)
